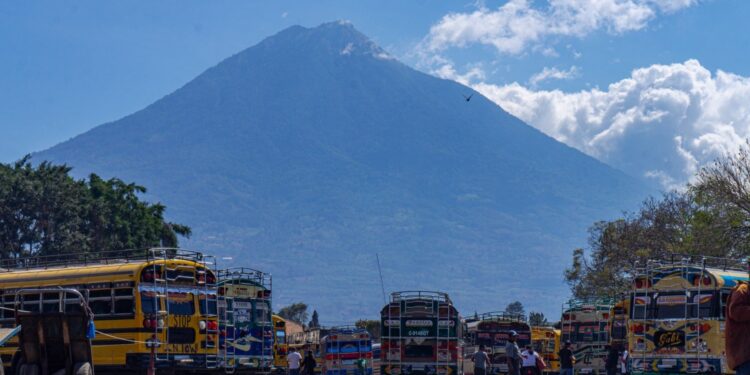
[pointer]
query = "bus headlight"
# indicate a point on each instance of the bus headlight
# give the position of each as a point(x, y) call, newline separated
point(202, 325)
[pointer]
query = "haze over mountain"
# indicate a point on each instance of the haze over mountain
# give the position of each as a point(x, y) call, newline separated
point(312, 151)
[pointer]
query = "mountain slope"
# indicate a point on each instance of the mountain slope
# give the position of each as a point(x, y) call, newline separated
point(310, 152)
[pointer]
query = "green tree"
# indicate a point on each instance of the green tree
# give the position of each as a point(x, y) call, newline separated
point(709, 218)
point(46, 212)
point(296, 312)
point(537, 319)
point(314, 320)
point(515, 308)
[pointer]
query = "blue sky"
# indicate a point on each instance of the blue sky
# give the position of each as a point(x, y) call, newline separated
point(69, 66)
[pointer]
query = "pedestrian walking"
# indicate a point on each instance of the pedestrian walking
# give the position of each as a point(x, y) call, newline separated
point(531, 362)
point(737, 335)
point(309, 363)
point(293, 360)
point(513, 354)
point(481, 361)
point(566, 359)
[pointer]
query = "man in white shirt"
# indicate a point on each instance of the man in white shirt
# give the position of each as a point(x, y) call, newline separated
point(293, 359)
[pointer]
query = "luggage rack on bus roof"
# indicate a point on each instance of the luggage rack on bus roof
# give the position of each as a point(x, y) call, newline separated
point(699, 261)
point(502, 315)
point(244, 274)
point(100, 258)
point(420, 295)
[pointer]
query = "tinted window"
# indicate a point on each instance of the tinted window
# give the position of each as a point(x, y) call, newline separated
point(207, 305)
point(124, 306)
point(149, 304)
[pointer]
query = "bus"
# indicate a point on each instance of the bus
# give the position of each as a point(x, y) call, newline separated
point(546, 342)
point(280, 347)
point(420, 334)
point(677, 316)
point(342, 348)
point(586, 325)
point(159, 295)
point(246, 340)
point(493, 330)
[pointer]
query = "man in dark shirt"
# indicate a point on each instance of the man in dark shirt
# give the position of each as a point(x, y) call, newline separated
point(566, 359)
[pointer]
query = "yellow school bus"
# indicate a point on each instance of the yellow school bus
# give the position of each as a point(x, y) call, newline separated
point(279, 342)
point(546, 342)
point(676, 321)
point(162, 295)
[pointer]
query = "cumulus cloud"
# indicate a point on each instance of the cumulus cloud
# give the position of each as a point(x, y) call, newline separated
point(554, 73)
point(661, 123)
point(518, 24)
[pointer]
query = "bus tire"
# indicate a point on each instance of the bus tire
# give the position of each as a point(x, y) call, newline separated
point(82, 368)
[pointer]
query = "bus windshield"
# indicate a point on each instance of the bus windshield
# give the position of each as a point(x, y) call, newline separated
point(674, 305)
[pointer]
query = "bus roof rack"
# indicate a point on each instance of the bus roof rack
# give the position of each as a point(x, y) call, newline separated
point(98, 258)
point(502, 315)
point(236, 274)
point(601, 303)
point(722, 263)
point(420, 295)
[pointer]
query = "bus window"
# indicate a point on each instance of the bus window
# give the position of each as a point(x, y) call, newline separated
point(149, 304)
point(124, 303)
point(207, 305)
point(8, 310)
point(100, 301)
point(180, 303)
point(262, 313)
point(280, 337)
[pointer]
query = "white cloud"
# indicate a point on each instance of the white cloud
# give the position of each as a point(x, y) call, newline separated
point(554, 73)
point(661, 123)
point(518, 23)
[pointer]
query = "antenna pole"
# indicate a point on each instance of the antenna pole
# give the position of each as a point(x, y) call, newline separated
point(380, 272)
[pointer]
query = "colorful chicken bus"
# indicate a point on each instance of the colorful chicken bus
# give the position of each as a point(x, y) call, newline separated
point(280, 344)
point(245, 324)
point(136, 297)
point(493, 330)
point(346, 351)
point(546, 342)
point(420, 334)
point(586, 325)
point(677, 316)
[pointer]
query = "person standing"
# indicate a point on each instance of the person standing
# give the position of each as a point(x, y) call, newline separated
point(481, 361)
point(294, 360)
point(612, 361)
point(737, 337)
point(513, 354)
point(624, 361)
point(566, 359)
point(531, 361)
point(309, 363)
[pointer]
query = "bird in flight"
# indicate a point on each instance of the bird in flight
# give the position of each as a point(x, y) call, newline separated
point(467, 98)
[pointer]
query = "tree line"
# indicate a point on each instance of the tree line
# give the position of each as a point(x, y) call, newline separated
point(709, 217)
point(44, 211)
